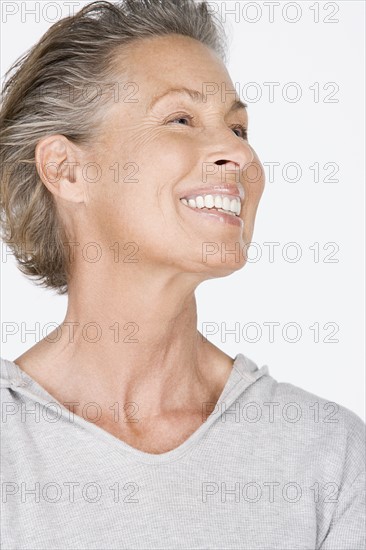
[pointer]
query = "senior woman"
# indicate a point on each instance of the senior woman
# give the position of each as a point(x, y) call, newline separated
point(123, 160)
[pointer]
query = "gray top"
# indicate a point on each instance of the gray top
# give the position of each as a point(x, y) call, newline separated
point(273, 467)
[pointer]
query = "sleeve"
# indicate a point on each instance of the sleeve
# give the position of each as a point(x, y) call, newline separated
point(347, 526)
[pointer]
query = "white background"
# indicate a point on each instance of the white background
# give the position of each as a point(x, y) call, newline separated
point(311, 53)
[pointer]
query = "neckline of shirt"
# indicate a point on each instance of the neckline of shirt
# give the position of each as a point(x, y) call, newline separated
point(244, 372)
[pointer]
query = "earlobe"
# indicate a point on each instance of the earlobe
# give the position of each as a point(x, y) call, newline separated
point(57, 167)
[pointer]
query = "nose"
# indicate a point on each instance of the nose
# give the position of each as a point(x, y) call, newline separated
point(230, 152)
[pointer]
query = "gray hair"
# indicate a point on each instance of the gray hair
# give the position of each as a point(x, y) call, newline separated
point(44, 94)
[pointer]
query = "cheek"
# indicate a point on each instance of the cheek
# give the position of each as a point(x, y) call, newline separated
point(138, 175)
point(166, 159)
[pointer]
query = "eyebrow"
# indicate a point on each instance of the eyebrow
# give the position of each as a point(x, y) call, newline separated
point(196, 96)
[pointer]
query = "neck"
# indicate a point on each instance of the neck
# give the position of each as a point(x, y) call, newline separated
point(136, 341)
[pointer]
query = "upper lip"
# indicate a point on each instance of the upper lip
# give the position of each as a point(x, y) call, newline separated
point(219, 189)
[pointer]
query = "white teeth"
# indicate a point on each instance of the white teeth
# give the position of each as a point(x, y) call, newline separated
point(218, 202)
point(226, 204)
point(209, 201)
point(233, 206)
point(200, 203)
point(222, 203)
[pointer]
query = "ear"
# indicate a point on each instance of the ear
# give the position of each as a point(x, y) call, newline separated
point(58, 162)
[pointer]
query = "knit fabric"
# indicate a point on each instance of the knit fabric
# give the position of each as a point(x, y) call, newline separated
point(273, 467)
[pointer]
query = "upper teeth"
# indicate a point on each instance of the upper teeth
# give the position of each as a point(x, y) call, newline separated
point(222, 202)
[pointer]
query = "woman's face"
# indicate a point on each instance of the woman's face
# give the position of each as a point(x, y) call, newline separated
point(153, 152)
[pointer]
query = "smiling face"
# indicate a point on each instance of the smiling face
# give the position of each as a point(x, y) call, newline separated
point(163, 142)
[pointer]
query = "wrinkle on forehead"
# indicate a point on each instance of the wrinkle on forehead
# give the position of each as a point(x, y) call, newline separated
point(150, 59)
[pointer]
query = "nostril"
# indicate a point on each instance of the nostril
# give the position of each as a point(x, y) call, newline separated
point(221, 161)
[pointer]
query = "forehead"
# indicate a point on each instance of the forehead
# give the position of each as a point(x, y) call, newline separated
point(172, 61)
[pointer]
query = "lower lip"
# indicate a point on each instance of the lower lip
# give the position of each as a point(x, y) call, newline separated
point(216, 216)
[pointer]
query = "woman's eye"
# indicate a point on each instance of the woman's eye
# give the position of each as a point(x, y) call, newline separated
point(243, 132)
point(182, 119)
point(187, 119)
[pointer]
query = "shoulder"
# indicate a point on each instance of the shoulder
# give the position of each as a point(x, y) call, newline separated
point(323, 429)
point(298, 402)
point(304, 426)
point(319, 409)
point(294, 403)
point(11, 376)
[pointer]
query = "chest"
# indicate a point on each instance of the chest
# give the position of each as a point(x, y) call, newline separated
point(154, 436)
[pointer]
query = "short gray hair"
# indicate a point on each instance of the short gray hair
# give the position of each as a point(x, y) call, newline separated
point(44, 94)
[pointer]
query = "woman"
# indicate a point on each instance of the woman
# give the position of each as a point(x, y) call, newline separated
point(126, 169)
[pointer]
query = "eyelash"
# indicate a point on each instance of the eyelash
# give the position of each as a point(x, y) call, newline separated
point(190, 118)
